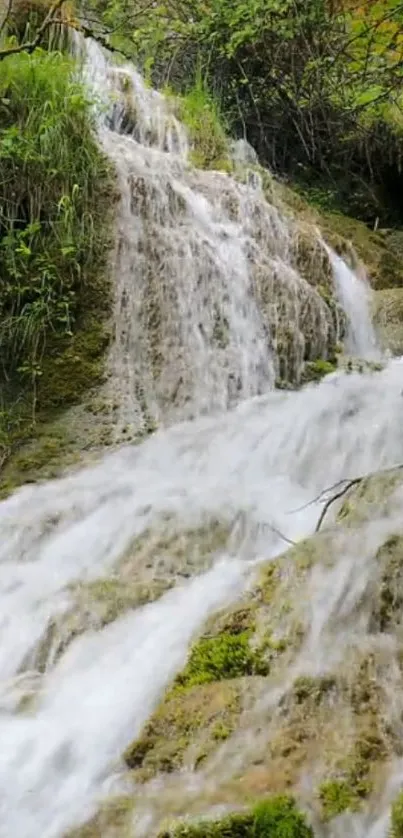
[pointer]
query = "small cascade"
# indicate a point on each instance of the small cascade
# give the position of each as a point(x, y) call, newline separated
point(354, 293)
point(261, 463)
point(211, 307)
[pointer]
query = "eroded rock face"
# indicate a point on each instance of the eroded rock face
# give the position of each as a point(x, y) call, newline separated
point(317, 694)
point(149, 567)
point(388, 316)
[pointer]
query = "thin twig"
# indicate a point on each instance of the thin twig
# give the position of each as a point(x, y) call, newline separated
point(336, 497)
point(354, 482)
point(318, 497)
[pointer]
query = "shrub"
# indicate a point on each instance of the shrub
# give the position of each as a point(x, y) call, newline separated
point(55, 188)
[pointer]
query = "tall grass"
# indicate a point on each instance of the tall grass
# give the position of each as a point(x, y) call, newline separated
point(52, 180)
point(202, 115)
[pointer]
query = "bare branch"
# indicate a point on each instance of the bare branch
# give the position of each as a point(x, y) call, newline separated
point(6, 16)
point(335, 497)
point(30, 46)
point(349, 484)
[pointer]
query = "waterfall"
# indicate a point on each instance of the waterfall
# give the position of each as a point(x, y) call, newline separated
point(354, 294)
point(266, 458)
point(198, 258)
point(210, 305)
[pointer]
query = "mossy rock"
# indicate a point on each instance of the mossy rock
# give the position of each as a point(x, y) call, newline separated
point(186, 728)
point(336, 796)
point(384, 267)
point(388, 318)
point(371, 496)
point(387, 611)
point(149, 567)
point(316, 370)
point(222, 657)
point(26, 16)
point(113, 820)
point(380, 251)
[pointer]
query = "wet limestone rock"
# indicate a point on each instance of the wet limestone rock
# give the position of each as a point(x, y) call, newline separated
point(388, 317)
point(253, 711)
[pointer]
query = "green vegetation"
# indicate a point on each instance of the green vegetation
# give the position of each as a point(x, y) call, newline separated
point(314, 86)
point(222, 657)
point(336, 796)
point(315, 370)
point(387, 609)
point(185, 729)
point(200, 112)
point(55, 193)
point(397, 817)
point(276, 817)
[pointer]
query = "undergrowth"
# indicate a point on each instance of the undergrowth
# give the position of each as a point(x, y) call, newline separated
point(202, 115)
point(55, 188)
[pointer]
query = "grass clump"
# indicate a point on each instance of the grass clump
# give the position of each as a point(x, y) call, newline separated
point(276, 817)
point(222, 657)
point(336, 796)
point(315, 370)
point(55, 193)
point(185, 729)
point(201, 114)
point(396, 823)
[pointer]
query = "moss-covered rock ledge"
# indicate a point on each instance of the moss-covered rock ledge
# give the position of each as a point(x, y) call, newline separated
point(253, 711)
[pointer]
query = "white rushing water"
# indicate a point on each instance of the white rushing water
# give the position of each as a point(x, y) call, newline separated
point(354, 294)
point(259, 461)
point(266, 458)
point(210, 304)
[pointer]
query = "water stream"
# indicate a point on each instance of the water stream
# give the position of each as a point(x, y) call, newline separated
point(259, 454)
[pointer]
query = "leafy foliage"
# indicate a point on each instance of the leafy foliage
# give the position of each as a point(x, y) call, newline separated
point(315, 86)
point(53, 192)
point(200, 112)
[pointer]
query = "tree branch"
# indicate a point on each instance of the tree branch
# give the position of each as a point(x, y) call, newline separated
point(349, 484)
point(30, 46)
point(6, 16)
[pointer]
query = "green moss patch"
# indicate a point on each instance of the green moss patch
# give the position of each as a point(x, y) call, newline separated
point(388, 318)
point(383, 264)
point(201, 115)
point(222, 657)
point(186, 728)
point(315, 370)
point(336, 796)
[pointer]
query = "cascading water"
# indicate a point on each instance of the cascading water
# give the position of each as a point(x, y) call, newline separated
point(354, 293)
point(202, 243)
point(210, 306)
